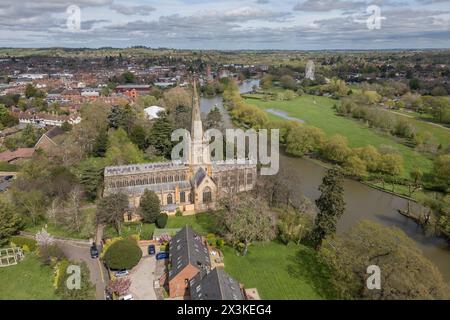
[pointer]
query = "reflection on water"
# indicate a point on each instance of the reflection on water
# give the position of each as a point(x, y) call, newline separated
point(362, 202)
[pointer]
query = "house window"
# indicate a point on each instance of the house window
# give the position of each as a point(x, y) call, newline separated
point(182, 196)
point(129, 216)
point(207, 195)
point(169, 198)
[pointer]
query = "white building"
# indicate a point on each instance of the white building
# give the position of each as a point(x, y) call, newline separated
point(152, 112)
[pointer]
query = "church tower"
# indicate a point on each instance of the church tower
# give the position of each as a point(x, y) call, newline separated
point(199, 155)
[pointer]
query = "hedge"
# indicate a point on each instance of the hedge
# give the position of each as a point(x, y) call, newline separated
point(161, 220)
point(22, 241)
point(123, 254)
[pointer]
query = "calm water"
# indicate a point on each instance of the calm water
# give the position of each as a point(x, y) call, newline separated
point(362, 202)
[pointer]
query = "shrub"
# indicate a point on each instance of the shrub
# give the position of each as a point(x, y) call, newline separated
point(123, 254)
point(22, 242)
point(86, 290)
point(161, 220)
point(50, 254)
point(211, 239)
point(178, 213)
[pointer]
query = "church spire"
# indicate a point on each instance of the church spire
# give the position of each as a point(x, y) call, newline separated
point(196, 124)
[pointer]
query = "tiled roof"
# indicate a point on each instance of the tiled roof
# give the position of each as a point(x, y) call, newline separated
point(187, 248)
point(17, 154)
point(216, 285)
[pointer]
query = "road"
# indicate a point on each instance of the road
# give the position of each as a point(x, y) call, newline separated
point(80, 252)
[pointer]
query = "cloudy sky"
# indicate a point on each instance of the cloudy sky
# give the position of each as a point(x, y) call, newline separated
point(226, 24)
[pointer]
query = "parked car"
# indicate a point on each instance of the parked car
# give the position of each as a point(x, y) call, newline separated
point(127, 297)
point(94, 251)
point(151, 249)
point(121, 273)
point(162, 256)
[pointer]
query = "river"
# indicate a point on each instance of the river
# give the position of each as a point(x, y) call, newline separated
point(362, 201)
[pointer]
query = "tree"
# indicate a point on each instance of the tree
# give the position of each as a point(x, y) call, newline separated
point(336, 149)
point(161, 220)
point(139, 137)
point(9, 222)
point(442, 170)
point(90, 174)
point(405, 272)
point(6, 119)
point(302, 140)
point(149, 206)
point(123, 254)
point(33, 204)
point(391, 164)
point(128, 77)
point(293, 225)
point(101, 144)
point(121, 117)
point(370, 155)
point(288, 82)
point(72, 217)
point(160, 136)
point(111, 210)
point(354, 166)
point(214, 119)
point(246, 219)
point(118, 286)
point(414, 84)
point(331, 206)
point(121, 150)
point(30, 91)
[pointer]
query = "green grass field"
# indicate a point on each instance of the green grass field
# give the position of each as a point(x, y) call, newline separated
point(87, 230)
point(203, 223)
point(28, 280)
point(323, 116)
point(279, 272)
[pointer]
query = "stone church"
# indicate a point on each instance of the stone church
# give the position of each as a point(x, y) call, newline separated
point(190, 187)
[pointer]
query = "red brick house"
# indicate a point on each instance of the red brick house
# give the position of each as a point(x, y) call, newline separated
point(188, 257)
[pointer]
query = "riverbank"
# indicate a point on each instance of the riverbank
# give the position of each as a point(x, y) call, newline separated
point(363, 201)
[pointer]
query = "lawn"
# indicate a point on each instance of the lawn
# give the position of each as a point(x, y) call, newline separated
point(323, 116)
point(279, 272)
point(144, 230)
point(57, 230)
point(28, 280)
point(203, 223)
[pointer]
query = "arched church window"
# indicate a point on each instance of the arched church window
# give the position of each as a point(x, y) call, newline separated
point(169, 199)
point(207, 195)
point(182, 197)
point(164, 179)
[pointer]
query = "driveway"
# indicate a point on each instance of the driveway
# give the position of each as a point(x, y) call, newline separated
point(143, 276)
point(80, 252)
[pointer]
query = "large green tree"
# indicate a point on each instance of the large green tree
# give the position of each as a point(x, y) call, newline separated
point(111, 210)
point(160, 135)
point(149, 206)
point(331, 205)
point(405, 272)
point(245, 220)
point(9, 222)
